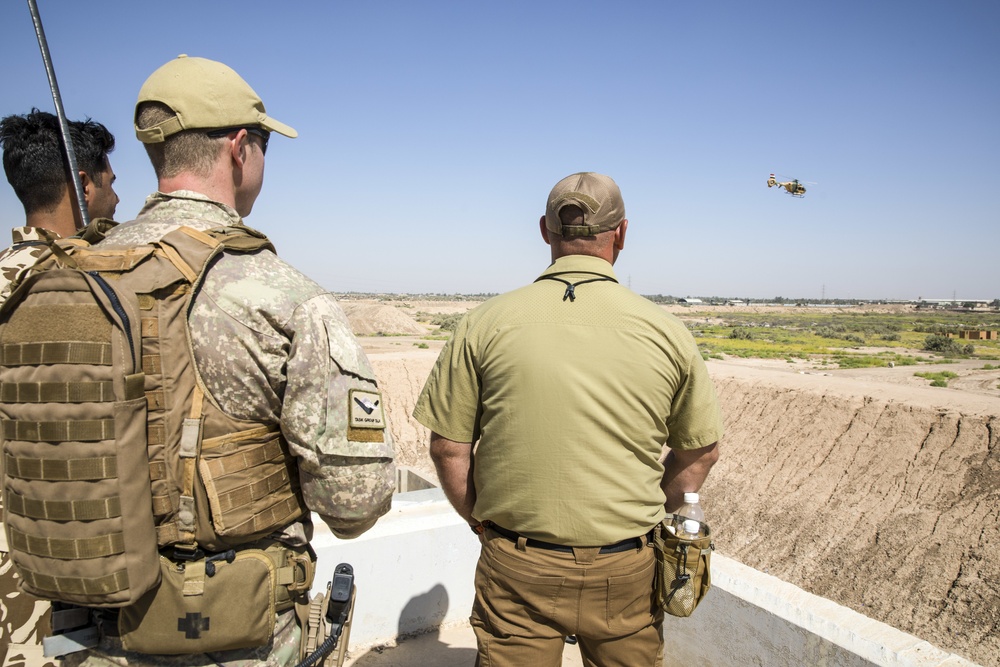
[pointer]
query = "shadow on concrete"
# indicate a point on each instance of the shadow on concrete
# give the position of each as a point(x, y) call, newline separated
point(425, 610)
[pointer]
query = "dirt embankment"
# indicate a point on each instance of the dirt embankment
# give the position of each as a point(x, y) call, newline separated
point(401, 376)
point(879, 495)
point(891, 508)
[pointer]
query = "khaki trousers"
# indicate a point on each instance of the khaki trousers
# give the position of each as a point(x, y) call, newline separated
point(528, 600)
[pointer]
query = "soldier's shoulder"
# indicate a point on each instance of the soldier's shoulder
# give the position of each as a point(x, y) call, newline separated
point(260, 277)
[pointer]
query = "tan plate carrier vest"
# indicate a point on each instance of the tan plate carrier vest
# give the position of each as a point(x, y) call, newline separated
point(111, 450)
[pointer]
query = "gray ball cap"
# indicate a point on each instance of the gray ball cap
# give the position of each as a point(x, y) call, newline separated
point(596, 194)
point(204, 94)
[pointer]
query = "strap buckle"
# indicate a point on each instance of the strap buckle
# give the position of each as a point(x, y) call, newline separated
point(304, 565)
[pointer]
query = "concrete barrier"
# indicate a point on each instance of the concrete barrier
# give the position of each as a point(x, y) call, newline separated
point(414, 571)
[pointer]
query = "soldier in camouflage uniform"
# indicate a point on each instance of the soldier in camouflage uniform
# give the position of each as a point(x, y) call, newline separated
point(270, 345)
point(35, 167)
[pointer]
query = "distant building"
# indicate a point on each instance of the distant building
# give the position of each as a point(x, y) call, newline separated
point(978, 335)
point(690, 301)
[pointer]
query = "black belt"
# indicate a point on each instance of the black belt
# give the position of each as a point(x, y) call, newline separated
point(625, 545)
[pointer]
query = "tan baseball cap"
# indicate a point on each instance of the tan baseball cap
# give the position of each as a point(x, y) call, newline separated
point(204, 94)
point(596, 194)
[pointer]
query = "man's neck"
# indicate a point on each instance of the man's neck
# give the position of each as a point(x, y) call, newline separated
point(62, 219)
point(215, 187)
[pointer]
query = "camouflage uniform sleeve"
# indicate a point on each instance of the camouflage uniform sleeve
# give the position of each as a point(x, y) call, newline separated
point(333, 417)
point(13, 262)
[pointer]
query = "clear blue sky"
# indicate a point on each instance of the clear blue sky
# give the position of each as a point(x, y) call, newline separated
point(431, 132)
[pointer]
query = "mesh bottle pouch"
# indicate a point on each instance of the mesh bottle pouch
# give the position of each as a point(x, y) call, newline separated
point(683, 574)
point(220, 603)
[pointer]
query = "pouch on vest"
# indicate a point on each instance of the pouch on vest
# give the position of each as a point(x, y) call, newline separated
point(228, 601)
point(73, 411)
point(683, 574)
point(111, 450)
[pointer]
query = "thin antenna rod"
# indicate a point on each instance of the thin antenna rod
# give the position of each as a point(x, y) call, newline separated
point(63, 123)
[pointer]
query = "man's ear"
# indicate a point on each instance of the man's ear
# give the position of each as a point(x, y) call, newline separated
point(88, 187)
point(238, 147)
point(620, 235)
point(545, 230)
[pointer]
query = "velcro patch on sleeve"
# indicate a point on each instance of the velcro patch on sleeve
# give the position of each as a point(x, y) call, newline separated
point(365, 409)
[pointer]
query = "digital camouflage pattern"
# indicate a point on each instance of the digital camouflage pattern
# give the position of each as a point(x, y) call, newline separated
point(28, 246)
point(271, 345)
point(282, 651)
point(24, 619)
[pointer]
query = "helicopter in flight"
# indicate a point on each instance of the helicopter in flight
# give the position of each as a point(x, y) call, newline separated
point(794, 187)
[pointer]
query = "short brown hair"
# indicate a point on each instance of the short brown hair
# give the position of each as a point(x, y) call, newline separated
point(189, 150)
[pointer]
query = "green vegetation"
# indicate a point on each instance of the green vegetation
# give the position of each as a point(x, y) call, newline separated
point(937, 379)
point(947, 346)
point(447, 322)
point(846, 339)
point(422, 346)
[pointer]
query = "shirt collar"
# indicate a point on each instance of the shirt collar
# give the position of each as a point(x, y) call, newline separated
point(170, 204)
point(580, 264)
point(28, 234)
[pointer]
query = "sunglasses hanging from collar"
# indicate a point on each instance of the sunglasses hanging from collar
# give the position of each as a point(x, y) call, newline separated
point(571, 287)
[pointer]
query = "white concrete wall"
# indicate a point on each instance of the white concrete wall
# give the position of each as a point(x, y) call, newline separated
point(752, 618)
point(414, 571)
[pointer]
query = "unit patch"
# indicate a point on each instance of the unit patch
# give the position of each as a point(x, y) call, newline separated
point(366, 412)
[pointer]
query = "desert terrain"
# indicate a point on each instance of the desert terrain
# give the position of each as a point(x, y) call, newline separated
point(866, 486)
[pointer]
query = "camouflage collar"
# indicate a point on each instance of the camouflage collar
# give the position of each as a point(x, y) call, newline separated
point(165, 212)
point(27, 235)
point(211, 213)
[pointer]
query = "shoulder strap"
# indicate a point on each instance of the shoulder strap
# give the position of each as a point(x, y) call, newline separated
point(241, 238)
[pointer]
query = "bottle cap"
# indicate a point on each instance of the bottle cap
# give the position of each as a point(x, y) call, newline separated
point(690, 498)
point(691, 527)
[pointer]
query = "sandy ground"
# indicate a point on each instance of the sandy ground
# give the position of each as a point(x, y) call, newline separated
point(865, 486)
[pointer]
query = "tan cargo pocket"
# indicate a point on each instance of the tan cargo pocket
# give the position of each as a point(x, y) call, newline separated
point(205, 605)
point(250, 483)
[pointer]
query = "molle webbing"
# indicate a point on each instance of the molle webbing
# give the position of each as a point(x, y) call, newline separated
point(72, 413)
point(57, 392)
point(87, 430)
point(65, 510)
point(68, 549)
point(76, 587)
point(34, 354)
point(58, 470)
point(103, 420)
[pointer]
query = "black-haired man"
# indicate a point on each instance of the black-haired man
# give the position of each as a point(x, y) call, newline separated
point(36, 168)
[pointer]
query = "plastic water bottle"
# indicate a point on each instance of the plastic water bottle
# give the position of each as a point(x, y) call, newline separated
point(689, 517)
point(689, 530)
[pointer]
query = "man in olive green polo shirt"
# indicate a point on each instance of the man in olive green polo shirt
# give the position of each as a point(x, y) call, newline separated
point(592, 413)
